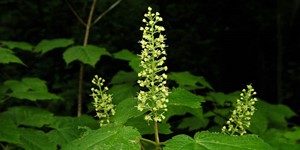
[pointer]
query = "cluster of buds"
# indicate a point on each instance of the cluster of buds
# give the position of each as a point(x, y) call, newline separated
point(154, 92)
point(102, 101)
point(241, 116)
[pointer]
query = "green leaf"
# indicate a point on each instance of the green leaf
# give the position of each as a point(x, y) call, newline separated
point(182, 97)
point(193, 123)
point(123, 91)
point(30, 88)
point(277, 138)
point(124, 77)
point(108, 138)
point(188, 81)
point(7, 56)
point(65, 129)
point(145, 127)
point(9, 132)
point(220, 98)
point(133, 59)
point(28, 116)
point(47, 45)
point(126, 110)
point(216, 141)
point(259, 123)
point(275, 114)
point(20, 45)
point(89, 54)
point(182, 101)
point(35, 140)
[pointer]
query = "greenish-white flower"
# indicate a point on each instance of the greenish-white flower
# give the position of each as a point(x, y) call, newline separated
point(240, 119)
point(102, 101)
point(154, 92)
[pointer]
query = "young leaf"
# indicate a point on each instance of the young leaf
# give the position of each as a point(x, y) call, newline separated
point(133, 59)
point(108, 138)
point(20, 45)
point(216, 141)
point(89, 54)
point(188, 81)
point(47, 45)
point(30, 88)
point(28, 116)
point(7, 56)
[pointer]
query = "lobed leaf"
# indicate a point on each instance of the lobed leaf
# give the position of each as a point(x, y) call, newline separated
point(20, 45)
point(89, 54)
point(47, 45)
point(30, 88)
point(182, 97)
point(215, 141)
point(124, 77)
point(145, 127)
point(66, 129)
point(32, 139)
point(108, 138)
point(188, 81)
point(133, 59)
point(7, 56)
point(9, 132)
point(125, 110)
point(28, 116)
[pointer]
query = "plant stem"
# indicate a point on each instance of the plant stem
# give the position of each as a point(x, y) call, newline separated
point(81, 71)
point(157, 145)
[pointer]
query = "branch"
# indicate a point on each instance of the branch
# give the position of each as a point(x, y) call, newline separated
point(75, 13)
point(106, 11)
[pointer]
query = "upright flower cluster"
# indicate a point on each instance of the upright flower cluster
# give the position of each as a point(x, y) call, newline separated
point(241, 116)
point(153, 96)
point(102, 101)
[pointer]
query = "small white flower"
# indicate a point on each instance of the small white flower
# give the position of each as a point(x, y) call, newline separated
point(153, 97)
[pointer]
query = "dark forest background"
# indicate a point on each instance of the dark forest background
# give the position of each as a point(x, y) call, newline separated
point(231, 43)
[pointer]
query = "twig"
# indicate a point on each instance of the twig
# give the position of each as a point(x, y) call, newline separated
point(106, 11)
point(75, 13)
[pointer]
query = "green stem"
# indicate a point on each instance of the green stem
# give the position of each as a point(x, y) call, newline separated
point(81, 71)
point(157, 143)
